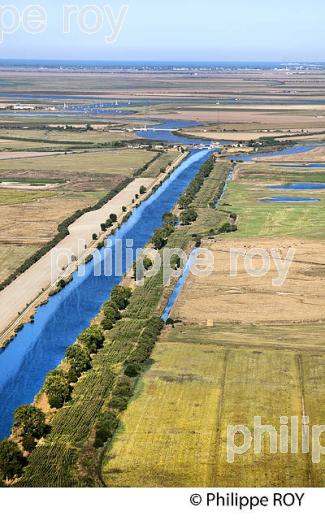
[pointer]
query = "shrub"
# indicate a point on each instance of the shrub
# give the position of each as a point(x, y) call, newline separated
point(107, 323)
point(57, 388)
point(92, 338)
point(159, 239)
point(120, 296)
point(113, 217)
point(132, 370)
point(142, 190)
point(105, 428)
point(119, 403)
point(28, 443)
point(111, 311)
point(227, 228)
point(30, 420)
point(94, 236)
point(79, 357)
point(188, 216)
point(12, 460)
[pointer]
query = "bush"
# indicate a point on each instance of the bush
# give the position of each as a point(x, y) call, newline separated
point(29, 443)
point(30, 420)
point(79, 357)
point(113, 217)
point(12, 460)
point(95, 236)
point(111, 311)
point(227, 228)
point(119, 403)
point(105, 428)
point(188, 216)
point(143, 190)
point(92, 338)
point(120, 296)
point(159, 239)
point(107, 323)
point(57, 388)
point(132, 370)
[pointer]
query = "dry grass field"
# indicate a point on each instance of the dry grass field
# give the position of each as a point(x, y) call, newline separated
point(51, 189)
point(201, 380)
point(247, 299)
point(112, 162)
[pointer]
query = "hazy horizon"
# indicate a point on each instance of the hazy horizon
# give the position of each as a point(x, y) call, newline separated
point(212, 31)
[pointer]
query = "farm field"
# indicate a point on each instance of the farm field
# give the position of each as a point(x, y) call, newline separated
point(54, 190)
point(161, 163)
point(200, 381)
point(122, 162)
point(16, 139)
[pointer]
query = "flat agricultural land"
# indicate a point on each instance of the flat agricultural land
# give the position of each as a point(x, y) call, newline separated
point(124, 162)
point(297, 297)
point(37, 194)
point(243, 349)
point(36, 139)
point(174, 432)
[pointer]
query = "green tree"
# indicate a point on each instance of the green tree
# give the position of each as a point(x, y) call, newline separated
point(159, 239)
point(12, 460)
point(188, 216)
point(111, 311)
point(113, 217)
point(79, 357)
point(142, 190)
point(28, 443)
point(169, 219)
point(120, 296)
point(30, 420)
point(92, 338)
point(57, 388)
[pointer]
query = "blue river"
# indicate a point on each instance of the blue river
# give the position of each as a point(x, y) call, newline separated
point(40, 347)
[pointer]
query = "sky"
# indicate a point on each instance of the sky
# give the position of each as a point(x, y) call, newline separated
point(165, 30)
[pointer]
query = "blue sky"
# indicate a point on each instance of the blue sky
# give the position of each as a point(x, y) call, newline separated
point(207, 30)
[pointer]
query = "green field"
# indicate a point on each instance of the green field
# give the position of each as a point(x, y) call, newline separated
point(18, 139)
point(123, 162)
point(257, 219)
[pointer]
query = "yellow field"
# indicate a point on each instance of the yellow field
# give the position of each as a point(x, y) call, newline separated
point(174, 432)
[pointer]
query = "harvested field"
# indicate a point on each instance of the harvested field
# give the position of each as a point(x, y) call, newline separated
point(248, 299)
point(202, 380)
